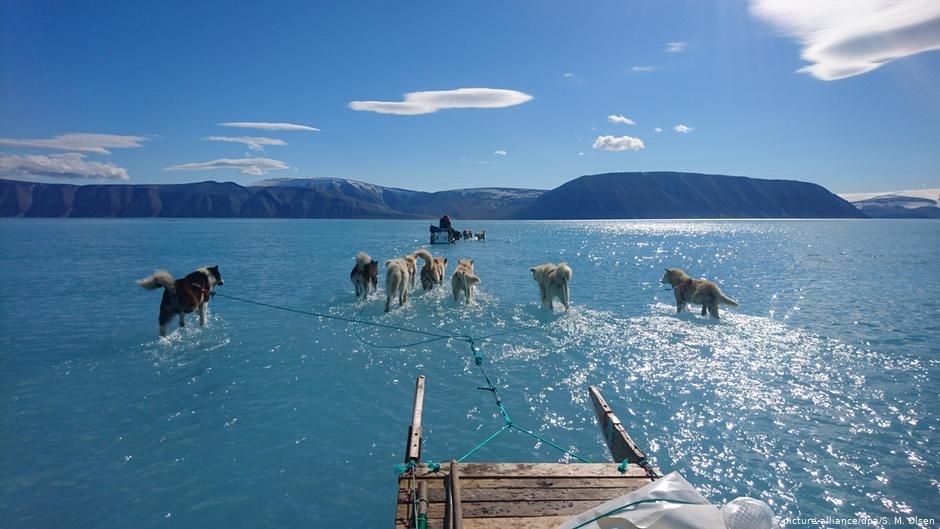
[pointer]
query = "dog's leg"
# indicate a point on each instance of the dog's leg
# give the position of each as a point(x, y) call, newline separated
point(713, 308)
point(567, 299)
point(202, 314)
point(162, 329)
point(704, 309)
point(388, 300)
point(182, 319)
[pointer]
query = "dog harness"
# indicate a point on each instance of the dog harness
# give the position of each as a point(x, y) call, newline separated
point(203, 290)
point(680, 288)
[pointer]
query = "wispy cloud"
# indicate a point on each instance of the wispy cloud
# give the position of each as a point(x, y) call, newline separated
point(657, 129)
point(643, 68)
point(683, 129)
point(79, 142)
point(66, 165)
point(676, 47)
point(255, 143)
point(500, 152)
point(621, 119)
point(850, 37)
point(260, 125)
point(569, 75)
point(621, 143)
point(248, 166)
point(428, 102)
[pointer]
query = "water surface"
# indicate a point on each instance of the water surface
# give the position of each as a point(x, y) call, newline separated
point(818, 394)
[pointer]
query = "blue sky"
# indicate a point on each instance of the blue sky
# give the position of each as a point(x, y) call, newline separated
point(160, 78)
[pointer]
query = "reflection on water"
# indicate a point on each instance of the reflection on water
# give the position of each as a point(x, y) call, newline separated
point(814, 395)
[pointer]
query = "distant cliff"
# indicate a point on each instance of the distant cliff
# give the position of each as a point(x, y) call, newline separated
point(607, 196)
point(662, 195)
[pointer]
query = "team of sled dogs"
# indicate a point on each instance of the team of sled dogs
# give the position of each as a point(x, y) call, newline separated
point(192, 293)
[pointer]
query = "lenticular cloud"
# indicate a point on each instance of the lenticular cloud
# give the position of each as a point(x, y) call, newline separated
point(431, 101)
point(844, 38)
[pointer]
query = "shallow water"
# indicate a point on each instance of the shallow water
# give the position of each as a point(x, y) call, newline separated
point(817, 394)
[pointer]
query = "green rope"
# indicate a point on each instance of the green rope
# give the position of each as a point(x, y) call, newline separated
point(332, 317)
point(434, 337)
point(638, 502)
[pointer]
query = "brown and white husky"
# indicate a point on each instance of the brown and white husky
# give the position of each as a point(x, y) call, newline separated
point(464, 279)
point(365, 275)
point(553, 283)
point(698, 291)
point(182, 296)
point(432, 273)
point(397, 278)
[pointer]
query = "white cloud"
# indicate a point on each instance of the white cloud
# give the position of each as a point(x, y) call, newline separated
point(66, 165)
point(255, 143)
point(683, 129)
point(260, 125)
point(569, 74)
point(79, 142)
point(248, 166)
point(580, 154)
point(657, 129)
point(843, 38)
point(613, 118)
point(676, 47)
point(643, 68)
point(622, 143)
point(427, 102)
point(500, 152)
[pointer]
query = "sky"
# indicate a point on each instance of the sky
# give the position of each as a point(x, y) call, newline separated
point(444, 95)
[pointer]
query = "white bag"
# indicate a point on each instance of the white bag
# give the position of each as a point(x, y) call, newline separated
point(682, 508)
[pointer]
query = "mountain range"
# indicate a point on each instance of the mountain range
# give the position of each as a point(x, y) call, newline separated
point(603, 196)
point(914, 203)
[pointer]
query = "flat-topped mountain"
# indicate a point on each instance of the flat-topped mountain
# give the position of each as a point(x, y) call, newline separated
point(606, 196)
point(664, 195)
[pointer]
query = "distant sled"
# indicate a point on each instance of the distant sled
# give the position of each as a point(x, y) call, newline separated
point(442, 235)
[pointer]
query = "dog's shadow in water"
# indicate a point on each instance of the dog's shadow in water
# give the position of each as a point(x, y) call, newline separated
point(698, 319)
point(543, 315)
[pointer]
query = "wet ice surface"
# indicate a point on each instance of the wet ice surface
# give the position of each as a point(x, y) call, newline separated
point(815, 395)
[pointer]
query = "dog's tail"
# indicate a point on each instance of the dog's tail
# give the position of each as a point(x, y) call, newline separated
point(362, 260)
point(160, 278)
point(726, 300)
point(426, 255)
point(563, 273)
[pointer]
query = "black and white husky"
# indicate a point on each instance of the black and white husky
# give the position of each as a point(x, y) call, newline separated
point(182, 296)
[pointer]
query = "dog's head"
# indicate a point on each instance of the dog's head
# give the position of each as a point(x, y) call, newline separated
point(215, 278)
point(674, 276)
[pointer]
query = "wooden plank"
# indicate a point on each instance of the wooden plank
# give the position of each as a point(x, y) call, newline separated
point(516, 509)
point(615, 435)
point(543, 522)
point(531, 483)
point(422, 501)
point(468, 495)
point(537, 470)
point(413, 446)
point(456, 515)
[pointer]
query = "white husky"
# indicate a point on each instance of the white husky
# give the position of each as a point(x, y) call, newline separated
point(397, 278)
point(464, 279)
point(553, 283)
